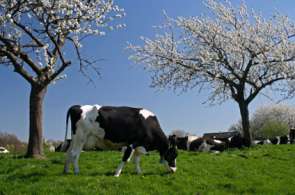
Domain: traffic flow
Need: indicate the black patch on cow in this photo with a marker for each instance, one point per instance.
(194, 146)
(74, 113)
(274, 140)
(181, 142)
(126, 125)
(127, 153)
(284, 139)
(171, 155)
(219, 146)
(292, 136)
(237, 141)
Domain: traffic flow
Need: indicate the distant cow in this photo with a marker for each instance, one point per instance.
(285, 139)
(202, 144)
(230, 139)
(280, 140)
(114, 127)
(183, 143)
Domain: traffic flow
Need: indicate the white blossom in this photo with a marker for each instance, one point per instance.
(36, 27)
(219, 49)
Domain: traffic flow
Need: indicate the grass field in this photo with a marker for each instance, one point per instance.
(261, 170)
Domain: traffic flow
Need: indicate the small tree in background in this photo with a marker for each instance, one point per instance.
(179, 133)
(271, 129)
(282, 115)
(11, 142)
(33, 37)
(236, 52)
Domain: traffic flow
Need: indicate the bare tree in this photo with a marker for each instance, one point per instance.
(33, 37)
(236, 52)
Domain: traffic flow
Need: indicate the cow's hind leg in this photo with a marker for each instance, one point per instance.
(126, 158)
(74, 152)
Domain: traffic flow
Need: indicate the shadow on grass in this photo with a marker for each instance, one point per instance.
(27, 177)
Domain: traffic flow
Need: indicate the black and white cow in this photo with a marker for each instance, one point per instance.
(203, 144)
(285, 139)
(184, 143)
(136, 129)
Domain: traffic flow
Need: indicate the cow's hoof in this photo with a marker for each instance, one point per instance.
(116, 175)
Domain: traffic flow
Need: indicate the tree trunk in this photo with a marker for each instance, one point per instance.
(245, 122)
(35, 145)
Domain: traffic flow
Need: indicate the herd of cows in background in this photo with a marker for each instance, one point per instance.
(214, 142)
(218, 142)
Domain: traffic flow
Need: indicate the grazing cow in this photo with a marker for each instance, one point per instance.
(183, 143)
(115, 127)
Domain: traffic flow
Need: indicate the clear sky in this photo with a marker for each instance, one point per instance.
(125, 83)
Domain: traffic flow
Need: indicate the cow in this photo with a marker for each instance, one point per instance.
(183, 143)
(203, 144)
(280, 140)
(137, 129)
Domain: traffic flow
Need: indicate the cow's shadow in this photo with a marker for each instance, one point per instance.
(112, 173)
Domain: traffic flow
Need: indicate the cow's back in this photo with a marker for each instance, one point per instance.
(121, 124)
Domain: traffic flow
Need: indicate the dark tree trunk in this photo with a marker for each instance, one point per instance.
(245, 122)
(35, 145)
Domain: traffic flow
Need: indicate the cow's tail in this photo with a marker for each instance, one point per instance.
(65, 143)
(67, 123)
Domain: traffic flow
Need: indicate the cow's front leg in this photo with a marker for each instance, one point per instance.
(126, 158)
(138, 152)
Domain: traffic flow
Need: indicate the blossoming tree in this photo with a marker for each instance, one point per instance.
(236, 52)
(33, 37)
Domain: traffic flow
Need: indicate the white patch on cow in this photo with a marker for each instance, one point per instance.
(146, 113)
(279, 139)
(205, 147)
(217, 141)
(140, 150)
(173, 169)
(267, 141)
(230, 138)
(170, 169)
(190, 139)
(88, 121)
(51, 148)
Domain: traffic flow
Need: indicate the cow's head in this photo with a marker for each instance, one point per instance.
(171, 154)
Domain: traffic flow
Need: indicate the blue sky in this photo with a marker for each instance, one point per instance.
(125, 83)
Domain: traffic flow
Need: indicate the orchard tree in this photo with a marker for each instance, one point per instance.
(33, 38)
(234, 52)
